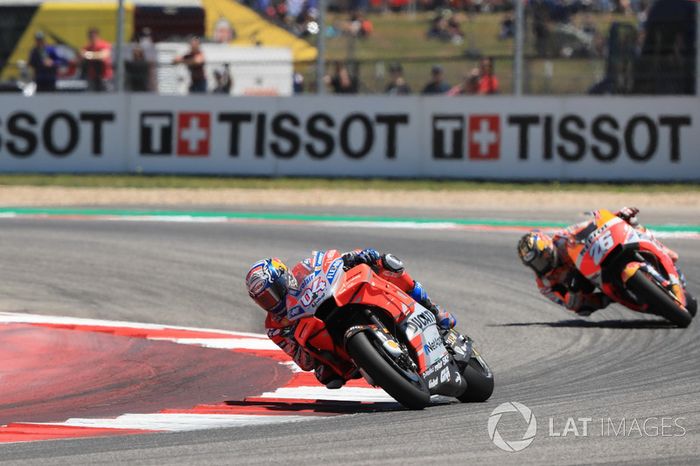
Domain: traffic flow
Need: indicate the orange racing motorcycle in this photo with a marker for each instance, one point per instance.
(631, 270)
(364, 326)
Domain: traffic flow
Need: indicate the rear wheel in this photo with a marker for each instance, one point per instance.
(692, 304)
(479, 382)
(407, 387)
(658, 300)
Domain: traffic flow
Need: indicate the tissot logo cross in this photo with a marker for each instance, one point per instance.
(484, 137)
(193, 134)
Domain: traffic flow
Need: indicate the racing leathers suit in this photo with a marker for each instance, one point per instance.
(281, 329)
(567, 286)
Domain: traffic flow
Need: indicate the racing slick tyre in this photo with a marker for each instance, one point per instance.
(406, 387)
(479, 382)
(659, 302)
(692, 304)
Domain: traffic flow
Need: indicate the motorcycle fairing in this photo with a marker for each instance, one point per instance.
(607, 234)
(361, 286)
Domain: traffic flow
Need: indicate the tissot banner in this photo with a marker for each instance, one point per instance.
(543, 138)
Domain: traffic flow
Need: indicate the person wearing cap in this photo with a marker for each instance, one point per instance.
(44, 60)
(437, 84)
(97, 60)
(397, 84)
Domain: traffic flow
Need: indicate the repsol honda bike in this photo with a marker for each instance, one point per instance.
(630, 269)
(363, 326)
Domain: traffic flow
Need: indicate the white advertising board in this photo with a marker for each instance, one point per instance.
(530, 138)
(63, 133)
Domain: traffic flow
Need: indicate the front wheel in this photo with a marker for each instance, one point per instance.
(479, 381)
(407, 388)
(658, 300)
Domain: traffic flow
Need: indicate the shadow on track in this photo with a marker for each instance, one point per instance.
(579, 323)
(318, 407)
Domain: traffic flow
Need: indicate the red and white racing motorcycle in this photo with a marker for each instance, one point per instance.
(362, 325)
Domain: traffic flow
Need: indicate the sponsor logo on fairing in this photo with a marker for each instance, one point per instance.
(420, 320)
(437, 366)
(432, 345)
(295, 311)
(333, 269)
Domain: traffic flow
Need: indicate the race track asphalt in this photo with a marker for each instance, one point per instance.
(617, 364)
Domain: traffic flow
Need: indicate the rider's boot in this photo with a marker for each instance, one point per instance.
(328, 377)
(444, 319)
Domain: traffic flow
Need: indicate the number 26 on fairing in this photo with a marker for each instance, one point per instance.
(601, 246)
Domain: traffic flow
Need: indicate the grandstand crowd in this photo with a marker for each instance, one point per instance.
(559, 28)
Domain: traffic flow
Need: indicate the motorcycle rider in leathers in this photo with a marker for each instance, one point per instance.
(558, 278)
(268, 281)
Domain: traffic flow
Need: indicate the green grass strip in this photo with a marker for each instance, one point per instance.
(312, 218)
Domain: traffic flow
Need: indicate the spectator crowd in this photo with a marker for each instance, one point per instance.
(480, 80)
(559, 28)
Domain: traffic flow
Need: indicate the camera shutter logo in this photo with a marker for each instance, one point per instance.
(528, 436)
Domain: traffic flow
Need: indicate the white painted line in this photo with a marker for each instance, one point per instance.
(676, 234)
(225, 343)
(322, 393)
(178, 422)
(11, 317)
(166, 218)
(292, 365)
(402, 225)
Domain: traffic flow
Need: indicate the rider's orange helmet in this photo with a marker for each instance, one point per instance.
(538, 252)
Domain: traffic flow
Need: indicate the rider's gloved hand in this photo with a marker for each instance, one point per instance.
(629, 215)
(368, 256)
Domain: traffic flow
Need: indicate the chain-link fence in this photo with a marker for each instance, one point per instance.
(441, 47)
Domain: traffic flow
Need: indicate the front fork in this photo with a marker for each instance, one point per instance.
(394, 348)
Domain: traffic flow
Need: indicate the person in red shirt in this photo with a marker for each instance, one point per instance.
(97, 61)
(469, 84)
(488, 82)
